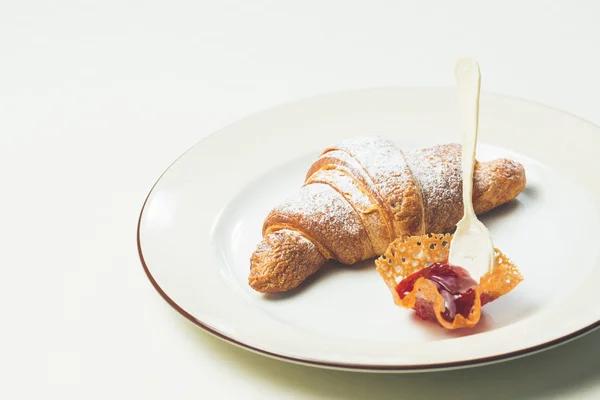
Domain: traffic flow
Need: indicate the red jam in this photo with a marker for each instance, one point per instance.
(453, 283)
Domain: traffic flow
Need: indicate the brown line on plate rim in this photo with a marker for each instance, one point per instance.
(360, 367)
(349, 366)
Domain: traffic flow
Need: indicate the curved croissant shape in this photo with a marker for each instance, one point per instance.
(362, 194)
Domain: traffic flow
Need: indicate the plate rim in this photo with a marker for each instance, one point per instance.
(428, 367)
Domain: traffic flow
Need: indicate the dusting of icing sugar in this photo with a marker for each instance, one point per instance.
(392, 178)
(320, 205)
(437, 170)
(378, 156)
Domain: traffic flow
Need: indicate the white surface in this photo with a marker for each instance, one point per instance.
(97, 99)
(200, 227)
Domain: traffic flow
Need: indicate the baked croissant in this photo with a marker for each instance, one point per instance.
(362, 194)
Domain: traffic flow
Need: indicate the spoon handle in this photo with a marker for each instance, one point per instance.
(468, 80)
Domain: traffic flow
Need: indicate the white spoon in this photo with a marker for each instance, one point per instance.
(472, 247)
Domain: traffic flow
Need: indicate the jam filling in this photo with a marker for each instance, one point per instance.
(453, 283)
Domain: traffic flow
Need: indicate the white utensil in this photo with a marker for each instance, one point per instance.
(472, 247)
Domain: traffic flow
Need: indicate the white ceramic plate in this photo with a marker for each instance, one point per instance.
(203, 218)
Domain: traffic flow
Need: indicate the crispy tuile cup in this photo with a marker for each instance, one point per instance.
(407, 255)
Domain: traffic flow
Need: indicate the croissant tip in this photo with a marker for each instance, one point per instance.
(260, 286)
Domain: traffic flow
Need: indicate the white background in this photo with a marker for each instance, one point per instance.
(98, 98)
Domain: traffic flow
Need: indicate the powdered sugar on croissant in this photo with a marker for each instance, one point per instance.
(362, 194)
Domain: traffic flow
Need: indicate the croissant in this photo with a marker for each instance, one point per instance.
(363, 193)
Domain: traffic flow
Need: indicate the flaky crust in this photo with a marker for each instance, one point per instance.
(286, 258)
(362, 194)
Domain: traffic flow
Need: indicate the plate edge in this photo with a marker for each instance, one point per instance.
(351, 366)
